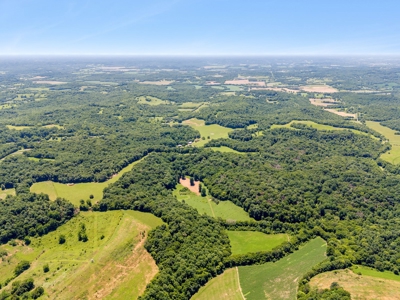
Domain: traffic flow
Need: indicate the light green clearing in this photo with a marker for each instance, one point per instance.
(279, 280)
(191, 104)
(23, 96)
(170, 88)
(393, 155)
(243, 242)
(185, 109)
(4, 193)
(74, 193)
(197, 87)
(252, 126)
(204, 205)
(320, 127)
(53, 126)
(224, 287)
(213, 131)
(19, 152)
(11, 127)
(40, 159)
(149, 100)
(121, 267)
(224, 149)
(101, 82)
(217, 87)
(366, 271)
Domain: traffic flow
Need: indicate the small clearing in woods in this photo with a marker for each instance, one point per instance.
(323, 102)
(360, 287)
(341, 113)
(50, 82)
(193, 188)
(245, 82)
(160, 82)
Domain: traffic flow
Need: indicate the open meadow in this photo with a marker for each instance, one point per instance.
(279, 280)
(393, 155)
(75, 192)
(243, 242)
(208, 132)
(112, 263)
(5, 192)
(361, 287)
(204, 205)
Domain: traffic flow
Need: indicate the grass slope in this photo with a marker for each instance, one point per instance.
(392, 156)
(360, 287)
(76, 192)
(243, 242)
(279, 280)
(366, 271)
(225, 209)
(223, 287)
(149, 100)
(213, 131)
(121, 267)
(319, 127)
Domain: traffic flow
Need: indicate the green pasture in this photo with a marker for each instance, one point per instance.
(225, 286)
(224, 149)
(243, 242)
(279, 280)
(213, 131)
(233, 88)
(12, 127)
(253, 126)
(204, 205)
(393, 155)
(112, 263)
(74, 193)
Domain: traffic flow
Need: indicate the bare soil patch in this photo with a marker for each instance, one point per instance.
(194, 188)
(50, 82)
(323, 102)
(341, 113)
(319, 89)
(360, 287)
(160, 82)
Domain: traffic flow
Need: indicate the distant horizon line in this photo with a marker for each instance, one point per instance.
(200, 55)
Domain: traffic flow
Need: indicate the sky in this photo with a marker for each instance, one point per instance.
(199, 27)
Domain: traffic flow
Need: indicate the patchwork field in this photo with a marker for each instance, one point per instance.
(393, 155)
(243, 242)
(204, 205)
(360, 287)
(224, 287)
(74, 193)
(112, 264)
(209, 132)
(279, 280)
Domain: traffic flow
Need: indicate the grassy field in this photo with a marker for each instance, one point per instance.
(213, 131)
(225, 209)
(223, 287)
(4, 193)
(366, 271)
(149, 100)
(392, 156)
(319, 127)
(224, 149)
(279, 280)
(112, 264)
(243, 242)
(74, 193)
(11, 127)
(360, 287)
(191, 104)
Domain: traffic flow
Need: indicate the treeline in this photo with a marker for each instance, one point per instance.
(28, 215)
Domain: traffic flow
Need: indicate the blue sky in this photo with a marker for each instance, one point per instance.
(199, 27)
